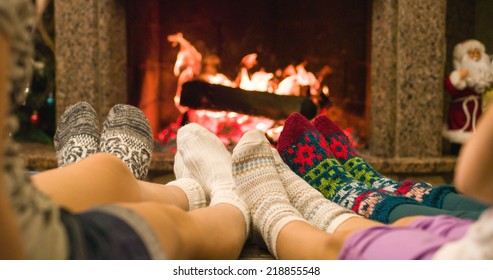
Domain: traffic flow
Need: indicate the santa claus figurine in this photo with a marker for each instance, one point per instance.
(472, 75)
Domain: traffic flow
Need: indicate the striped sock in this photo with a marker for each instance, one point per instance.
(127, 134)
(307, 153)
(319, 211)
(77, 135)
(209, 163)
(344, 152)
(259, 185)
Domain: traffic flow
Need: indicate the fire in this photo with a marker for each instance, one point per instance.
(230, 126)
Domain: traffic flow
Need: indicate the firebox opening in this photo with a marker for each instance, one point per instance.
(333, 33)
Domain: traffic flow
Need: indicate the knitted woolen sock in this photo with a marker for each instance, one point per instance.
(127, 134)
(344, 152)
(259, 185)
(307, 153)
(179, 168)
(319, 211)
(209, 163)
(77, 135)
(192, 189)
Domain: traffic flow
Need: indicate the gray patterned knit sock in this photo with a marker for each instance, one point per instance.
(260, 186)
(318, 210)
(128, 135)
(77, 135)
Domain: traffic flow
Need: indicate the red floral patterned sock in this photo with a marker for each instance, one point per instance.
(307, 153)
(344, 152)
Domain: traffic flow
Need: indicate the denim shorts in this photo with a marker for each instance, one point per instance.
(110, 232)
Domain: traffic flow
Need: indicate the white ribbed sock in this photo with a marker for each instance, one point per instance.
(209, 163)
(193, 190)
(259, 185)
(319, 211)
(179, 168)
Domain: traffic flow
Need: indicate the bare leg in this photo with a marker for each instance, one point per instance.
(320, 245)
(216, 232)
(167, 194)
(317, 244)
(101, 179)
(261, 186)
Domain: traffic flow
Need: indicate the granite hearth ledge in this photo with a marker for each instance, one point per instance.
(413, 165)
(41, 157)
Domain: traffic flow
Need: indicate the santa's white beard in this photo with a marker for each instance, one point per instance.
(480, 72)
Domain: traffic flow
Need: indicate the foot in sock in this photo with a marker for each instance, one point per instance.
(307, 153)
(184, 180)
(319, 211)
(208, 162)
(344, 152)
(260, 186)
(77, 135)
(127, 134)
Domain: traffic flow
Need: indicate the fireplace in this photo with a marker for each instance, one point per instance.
(402, 59)
(334, 33)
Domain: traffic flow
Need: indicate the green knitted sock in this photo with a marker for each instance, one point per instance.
(307, 153)
(344, 152)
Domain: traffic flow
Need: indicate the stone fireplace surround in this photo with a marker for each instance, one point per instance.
(408, 55)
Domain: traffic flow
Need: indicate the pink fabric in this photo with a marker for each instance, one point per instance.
(418, 241)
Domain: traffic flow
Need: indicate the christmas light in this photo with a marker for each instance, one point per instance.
(50, 100)
(35, 118)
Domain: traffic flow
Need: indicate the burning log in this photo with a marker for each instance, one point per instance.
(201, 95)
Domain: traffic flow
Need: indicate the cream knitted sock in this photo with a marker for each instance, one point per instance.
(259, 185)
(319, 211)
(192, 189)
(179, 168)
(209, 163)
